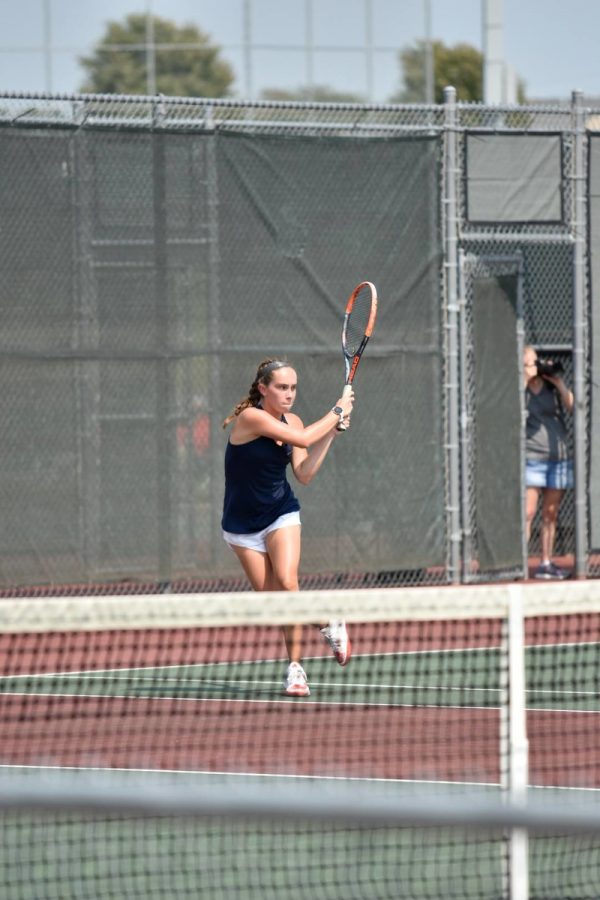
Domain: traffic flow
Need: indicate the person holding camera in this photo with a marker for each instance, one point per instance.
(548, 469)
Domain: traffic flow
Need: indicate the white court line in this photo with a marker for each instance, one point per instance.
(344, 685)
(292, 777)
(341, 685)
(235, 775)
(300, 701)
(287, 700)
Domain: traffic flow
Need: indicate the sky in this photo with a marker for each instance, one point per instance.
(551, 44)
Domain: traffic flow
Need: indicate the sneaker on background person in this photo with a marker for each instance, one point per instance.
(336, 635)
(295, 684)
(549, 571)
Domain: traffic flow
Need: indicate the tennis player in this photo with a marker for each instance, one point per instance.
(261, 514)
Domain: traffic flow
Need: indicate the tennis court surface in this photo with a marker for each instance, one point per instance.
(182, 694)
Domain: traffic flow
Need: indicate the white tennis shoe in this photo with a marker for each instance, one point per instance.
(295, 684)
(336, 635)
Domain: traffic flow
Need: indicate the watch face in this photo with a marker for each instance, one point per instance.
(337, 410)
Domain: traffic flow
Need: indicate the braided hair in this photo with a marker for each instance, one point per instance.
(264, 375)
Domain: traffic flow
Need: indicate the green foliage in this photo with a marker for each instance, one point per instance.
(182, 71)
(460, 66)
(317, 93)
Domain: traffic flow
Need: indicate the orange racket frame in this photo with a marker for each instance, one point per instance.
(351, 360)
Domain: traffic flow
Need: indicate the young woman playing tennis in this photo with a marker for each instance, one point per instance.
(261, 515)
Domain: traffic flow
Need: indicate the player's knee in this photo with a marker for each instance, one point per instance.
(287, 583)
(550, 512)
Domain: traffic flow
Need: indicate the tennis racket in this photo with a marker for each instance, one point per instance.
(359, 321)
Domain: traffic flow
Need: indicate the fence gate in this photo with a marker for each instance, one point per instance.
(491, 417)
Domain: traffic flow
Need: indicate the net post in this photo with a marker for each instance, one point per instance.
(514, 745)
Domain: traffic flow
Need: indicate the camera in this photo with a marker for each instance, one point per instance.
(549, 368)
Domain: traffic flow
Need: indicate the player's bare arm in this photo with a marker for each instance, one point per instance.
(253, 422)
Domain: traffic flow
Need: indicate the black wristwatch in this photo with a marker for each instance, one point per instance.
(339, 412)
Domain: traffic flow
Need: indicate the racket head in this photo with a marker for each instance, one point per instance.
(359, 321)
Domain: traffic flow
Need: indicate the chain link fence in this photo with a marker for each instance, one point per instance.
(153, 251)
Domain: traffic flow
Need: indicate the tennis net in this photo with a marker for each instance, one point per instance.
(147, 748)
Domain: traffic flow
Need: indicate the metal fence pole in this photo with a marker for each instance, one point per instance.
(464, 261)
(579, 231)
(163, 440)
(217, 545)
(451, 321)
(520, 353)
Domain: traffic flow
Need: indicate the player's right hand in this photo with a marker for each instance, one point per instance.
(346, 401)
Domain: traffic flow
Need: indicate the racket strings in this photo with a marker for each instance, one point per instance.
(357, 321)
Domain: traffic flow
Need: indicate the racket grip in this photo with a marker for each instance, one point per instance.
(345, 392)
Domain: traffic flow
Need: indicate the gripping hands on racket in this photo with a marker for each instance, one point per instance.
(343, 408)
(359, 321)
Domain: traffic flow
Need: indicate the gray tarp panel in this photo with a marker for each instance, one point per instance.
(301, 221)
(513, 178)
(144, 276)
(498, 423)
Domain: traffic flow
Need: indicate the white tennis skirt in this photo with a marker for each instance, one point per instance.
(257, 540)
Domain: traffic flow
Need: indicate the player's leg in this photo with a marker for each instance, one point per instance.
(550, 504)
(259, 571)
(532, 498)
(551, 499)
(283, 547)
(284, 551)
(256, 565)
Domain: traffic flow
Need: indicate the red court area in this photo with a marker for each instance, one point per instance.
(285, 738)
(264, 733)
(68, 652)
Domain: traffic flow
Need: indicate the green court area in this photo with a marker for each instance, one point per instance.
(76, 858)
(159, 858)
(559, 676)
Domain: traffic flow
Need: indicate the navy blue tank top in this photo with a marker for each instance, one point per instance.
(256, 489)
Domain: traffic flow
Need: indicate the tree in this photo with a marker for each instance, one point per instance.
(317, 93)
(460, 66)
(191, 68)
